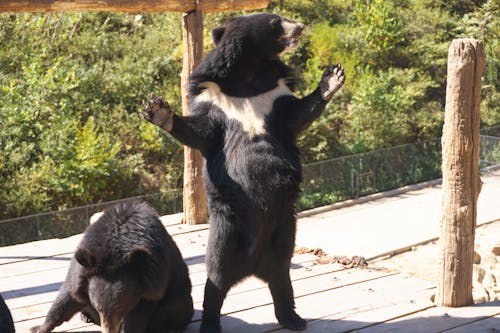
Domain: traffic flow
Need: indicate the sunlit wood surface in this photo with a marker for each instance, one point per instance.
(331, 297)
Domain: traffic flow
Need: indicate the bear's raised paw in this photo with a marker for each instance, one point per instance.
(158, 112)
(333, 78)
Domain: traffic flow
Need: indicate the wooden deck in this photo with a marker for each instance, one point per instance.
(331, 297)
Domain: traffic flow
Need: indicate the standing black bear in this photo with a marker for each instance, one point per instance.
(245, 121)
(6, 322)
(127, 274)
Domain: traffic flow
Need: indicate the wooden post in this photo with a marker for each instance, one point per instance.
(194, 200)
(461, 182)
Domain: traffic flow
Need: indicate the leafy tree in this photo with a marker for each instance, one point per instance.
(70, 88)
(387, 109)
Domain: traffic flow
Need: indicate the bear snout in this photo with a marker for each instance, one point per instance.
(292, 29)
(299, 27)
(291, 33)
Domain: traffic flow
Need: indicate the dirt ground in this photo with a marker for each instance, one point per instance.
(423, 261)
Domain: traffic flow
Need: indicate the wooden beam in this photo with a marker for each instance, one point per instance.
(231, 5)
(461, 182)
(97, 5)
(194, 197)
(129, 5)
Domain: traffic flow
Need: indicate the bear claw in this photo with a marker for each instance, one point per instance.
(158, 112)
(87, 318)
(333, 78)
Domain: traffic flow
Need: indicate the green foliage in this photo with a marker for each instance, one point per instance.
(312, 200)
(483, 23)
(385, 108)
(312, 11)
(379, 31)
(71, 86)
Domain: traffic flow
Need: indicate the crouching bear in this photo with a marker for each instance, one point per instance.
(245, 121)
(127, 275)
(6, 322)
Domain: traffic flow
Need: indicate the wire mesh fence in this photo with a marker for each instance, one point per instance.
(72, 221)
(491, 131)
(323, 183)
(352, 176)
(489, 153)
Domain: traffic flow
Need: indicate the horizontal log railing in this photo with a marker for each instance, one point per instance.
(184, 6)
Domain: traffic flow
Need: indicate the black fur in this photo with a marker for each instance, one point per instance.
(128, 272)
(245, 61)
(6, 322)
(252, 174)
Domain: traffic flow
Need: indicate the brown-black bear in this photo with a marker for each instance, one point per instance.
(245, 121)
(6, 322)
(127, 275)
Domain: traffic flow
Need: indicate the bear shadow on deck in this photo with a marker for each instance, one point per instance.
(425, 324)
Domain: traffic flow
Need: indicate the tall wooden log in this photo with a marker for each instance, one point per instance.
(195, 203)
(461, 182)
(129, 5)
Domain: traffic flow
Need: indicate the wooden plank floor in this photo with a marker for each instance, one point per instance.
(331, 297)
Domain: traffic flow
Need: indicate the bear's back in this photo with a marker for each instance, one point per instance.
(124, 227)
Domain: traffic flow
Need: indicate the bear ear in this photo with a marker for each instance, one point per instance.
(276, 21)
(138, 255)
(85, 257)
(217, 34)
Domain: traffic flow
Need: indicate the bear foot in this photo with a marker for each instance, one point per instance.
(292, 321)
(158, 112)
(333, 78)
(210, 327)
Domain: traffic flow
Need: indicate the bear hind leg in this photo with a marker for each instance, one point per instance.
(284, 305)
(212, 303)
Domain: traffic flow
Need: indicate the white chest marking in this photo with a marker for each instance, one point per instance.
(251, 112)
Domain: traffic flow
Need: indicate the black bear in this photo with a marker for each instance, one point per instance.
(6, 322)
(127, 275)
(245, 122)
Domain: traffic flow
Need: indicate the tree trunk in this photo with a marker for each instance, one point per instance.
(195, 202)
(461, 182)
